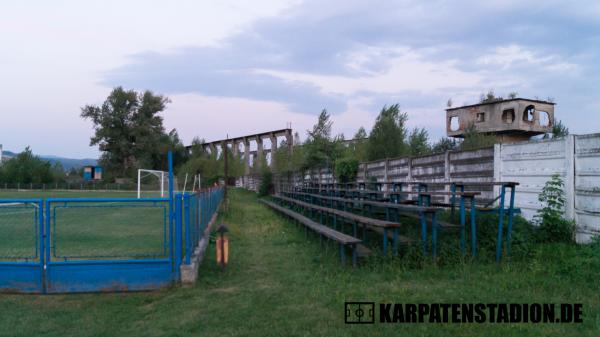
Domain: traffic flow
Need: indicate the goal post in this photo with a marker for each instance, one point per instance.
(161, 176)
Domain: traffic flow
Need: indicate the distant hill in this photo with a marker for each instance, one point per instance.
(67, 163)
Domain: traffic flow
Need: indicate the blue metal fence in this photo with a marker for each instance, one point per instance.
(198, 209)
(100, 244)
(107, 244)
(21, 245)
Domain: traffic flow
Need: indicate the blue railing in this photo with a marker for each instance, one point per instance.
(193, 213)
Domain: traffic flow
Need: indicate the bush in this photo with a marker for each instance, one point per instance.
(266, 183)
(346, 169)
(553, 227)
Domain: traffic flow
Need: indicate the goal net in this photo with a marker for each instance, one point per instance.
(154, 183)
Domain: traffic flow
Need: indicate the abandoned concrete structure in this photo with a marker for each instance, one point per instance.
(251, 156)
(511, 120)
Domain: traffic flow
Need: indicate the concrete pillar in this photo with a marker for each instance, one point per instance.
(289, 139)
(259, 151)
(497, 168)
(570, 177)
(213, 149)
(447, 176)
(247, 155)
(273, 148)
(385, 187)
(409, 176)
(236, 148)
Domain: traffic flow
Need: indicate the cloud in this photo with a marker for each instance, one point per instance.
(353, 57)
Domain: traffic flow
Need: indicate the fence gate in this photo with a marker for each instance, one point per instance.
(85, 245)
(21, 245)
(107, 245)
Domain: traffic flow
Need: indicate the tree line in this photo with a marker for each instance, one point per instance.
(129, 131)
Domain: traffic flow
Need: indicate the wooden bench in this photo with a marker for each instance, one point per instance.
(382, 225)
(343, 239)
(412, 211)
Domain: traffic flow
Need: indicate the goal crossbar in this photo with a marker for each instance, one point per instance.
(160, 174)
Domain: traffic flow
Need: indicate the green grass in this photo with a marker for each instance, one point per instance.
(280, 284)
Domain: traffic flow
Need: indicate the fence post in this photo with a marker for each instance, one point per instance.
(570, 177)
(385, 186)
(188, 247)
(178, 228)
(497, 168)
(447, 175)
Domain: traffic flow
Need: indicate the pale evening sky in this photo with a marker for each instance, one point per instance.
(240, 67)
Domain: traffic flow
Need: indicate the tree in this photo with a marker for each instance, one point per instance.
(559, 130)
(418, 142)
(444, 144)
(346, 169)
(129, 131)
(26, 168)
(387, 138)
(358, 146)
(321, 149)
(489, 97)
(58, 172)
(474, 139)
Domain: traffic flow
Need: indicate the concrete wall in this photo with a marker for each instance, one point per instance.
(532, 163)
(587, 185)
(575, 158)
(467, 166)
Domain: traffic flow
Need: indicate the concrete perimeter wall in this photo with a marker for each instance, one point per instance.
(531, 164)
(467, 166)
(575, 158)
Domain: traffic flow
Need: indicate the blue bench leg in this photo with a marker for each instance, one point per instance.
(343, 254)
(500, 225)
(395, 241)
(452, 200)
(473, 229)
(462, 225)
(511, 213)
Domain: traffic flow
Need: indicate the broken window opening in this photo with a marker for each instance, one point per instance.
(544, 118)
(480, 117)
(454, 123)
(508, 116)
(528, 113)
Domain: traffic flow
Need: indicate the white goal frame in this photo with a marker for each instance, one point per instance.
(160, 174)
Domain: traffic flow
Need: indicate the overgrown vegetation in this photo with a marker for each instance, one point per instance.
(475, 140)
(553, 227)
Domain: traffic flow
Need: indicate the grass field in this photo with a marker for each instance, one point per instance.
(281, 284)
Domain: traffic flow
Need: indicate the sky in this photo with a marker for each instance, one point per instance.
(243, 67)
